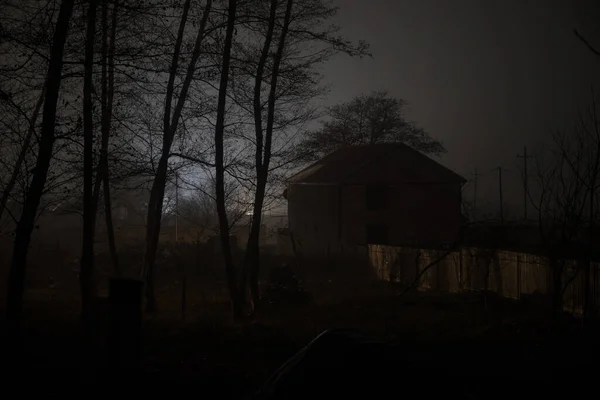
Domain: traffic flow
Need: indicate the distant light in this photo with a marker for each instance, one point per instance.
(249, 213)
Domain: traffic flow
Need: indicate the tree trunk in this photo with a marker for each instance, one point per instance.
(557, 286)
(107, 107)
(589, 248)
(158, 185)
(89, 202)
(110, 228)
(16, 280)
(235, 294)
(153, 226)
(587, 301)
(498, 275)
(169, 128)
(251, 259)
(263, 156)
(587, 306)
(22, 154)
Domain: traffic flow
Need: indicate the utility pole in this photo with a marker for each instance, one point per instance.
(500, 192)
(525, 187)
(475, 178)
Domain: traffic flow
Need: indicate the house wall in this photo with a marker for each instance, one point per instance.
(325, 218)
(313, 218)
(417, 214)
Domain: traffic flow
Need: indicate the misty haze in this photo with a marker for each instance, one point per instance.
(286, 199)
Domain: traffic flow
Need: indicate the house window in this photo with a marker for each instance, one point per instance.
(376, 197)
(377, 234)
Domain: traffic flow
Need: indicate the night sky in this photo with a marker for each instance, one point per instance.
(485, 77)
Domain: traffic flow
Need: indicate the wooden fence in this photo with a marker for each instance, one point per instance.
(508, 273)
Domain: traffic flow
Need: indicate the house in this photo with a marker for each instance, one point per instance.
(388, 194)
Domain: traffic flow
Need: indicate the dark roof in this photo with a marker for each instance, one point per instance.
(378, 163)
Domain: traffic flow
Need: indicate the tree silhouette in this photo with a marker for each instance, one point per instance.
(366, 119)
(16, 280)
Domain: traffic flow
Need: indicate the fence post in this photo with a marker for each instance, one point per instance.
(125, 323)
(183, 296)
(595, 288)
(437, 272)
(518, 274)
(460, 269)
(417, 268)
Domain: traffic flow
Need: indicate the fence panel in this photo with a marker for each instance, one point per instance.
(510, 274)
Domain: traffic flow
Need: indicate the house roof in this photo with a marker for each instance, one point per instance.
(373, 164)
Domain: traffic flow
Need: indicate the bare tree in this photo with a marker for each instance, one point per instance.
(264, 142)
(25, 148)
(24, 46)
(108, 91)
(289, 87)
(567, 203)
(89, 200)
(171, 120)
(16, 282)
(367, 119)
(273, 81)
(198, 211)
(220, 164)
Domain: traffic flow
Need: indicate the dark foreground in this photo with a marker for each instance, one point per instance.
(434, 345)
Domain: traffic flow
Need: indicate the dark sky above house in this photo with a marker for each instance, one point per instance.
(487, 77)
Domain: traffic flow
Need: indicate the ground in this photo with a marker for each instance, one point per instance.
(459, 334)
(513, 344)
